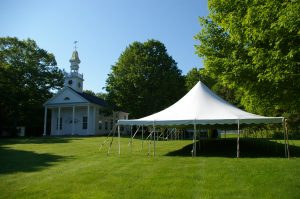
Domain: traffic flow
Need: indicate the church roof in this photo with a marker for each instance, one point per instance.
(93, 99)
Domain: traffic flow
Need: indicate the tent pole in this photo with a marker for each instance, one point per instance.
(131, 139)
(199, 138)
(287, 139)
(154, 144)
(238, 141)
(119, 137)
(142, 137)
(194, 141)
(150, 135)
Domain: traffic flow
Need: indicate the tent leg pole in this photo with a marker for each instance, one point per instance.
(142, 137)
(199, 139)
(154, 144)
(119, 139)
(238, 141)
(194, 141)
(287, 139)
(149, 143)
(131, 139)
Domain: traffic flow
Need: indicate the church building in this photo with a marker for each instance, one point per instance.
(74, 112)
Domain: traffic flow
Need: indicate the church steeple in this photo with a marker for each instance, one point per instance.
(74, 79)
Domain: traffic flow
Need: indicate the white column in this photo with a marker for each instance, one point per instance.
(73, 119)
(95, 127)
(58, 128)
(88, 119)
(45, 121)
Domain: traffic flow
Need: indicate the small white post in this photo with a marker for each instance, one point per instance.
(119, 139)
(45, 121)
(73, 119)
(238, 141)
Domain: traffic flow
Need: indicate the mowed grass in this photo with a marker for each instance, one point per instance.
(70, 167)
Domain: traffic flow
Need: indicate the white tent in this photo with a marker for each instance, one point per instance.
(200, 106)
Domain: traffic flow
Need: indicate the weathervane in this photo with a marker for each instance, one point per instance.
(75, 47)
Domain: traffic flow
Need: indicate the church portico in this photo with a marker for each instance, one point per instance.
(74, 120)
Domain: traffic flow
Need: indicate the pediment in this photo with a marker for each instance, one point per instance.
(66, 96)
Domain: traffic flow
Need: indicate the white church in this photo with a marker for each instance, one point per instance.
(74, 112)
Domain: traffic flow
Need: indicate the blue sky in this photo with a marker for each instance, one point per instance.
(104, 28)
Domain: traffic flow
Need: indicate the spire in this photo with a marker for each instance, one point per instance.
(75, 61)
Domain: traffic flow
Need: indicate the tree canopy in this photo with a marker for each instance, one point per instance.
(253, 48)
(145, 79)
(28, 75)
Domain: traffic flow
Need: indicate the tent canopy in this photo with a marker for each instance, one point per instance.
(201, 106)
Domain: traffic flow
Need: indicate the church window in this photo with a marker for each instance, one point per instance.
(84, 122)
(100, 125)
(66, 98)
(106, 125)
(79, 85)
(111, 124)
(70, 82)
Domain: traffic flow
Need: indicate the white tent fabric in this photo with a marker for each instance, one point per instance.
(201, 106)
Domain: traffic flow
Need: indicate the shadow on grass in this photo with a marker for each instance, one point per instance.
(37, 140)
(250, 148)
(12, 160)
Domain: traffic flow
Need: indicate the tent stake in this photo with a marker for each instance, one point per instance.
(238, 141)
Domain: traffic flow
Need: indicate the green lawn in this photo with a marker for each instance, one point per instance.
(76, 168)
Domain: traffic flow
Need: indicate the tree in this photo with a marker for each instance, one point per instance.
(145, 79)
(253, 48)
(28, 75)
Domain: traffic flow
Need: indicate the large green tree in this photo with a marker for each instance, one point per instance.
(145, 79)
(28, 74)
(253, 47)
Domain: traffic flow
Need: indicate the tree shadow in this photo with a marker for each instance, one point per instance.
(37, 140)
(249, 148)
(12, 160)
